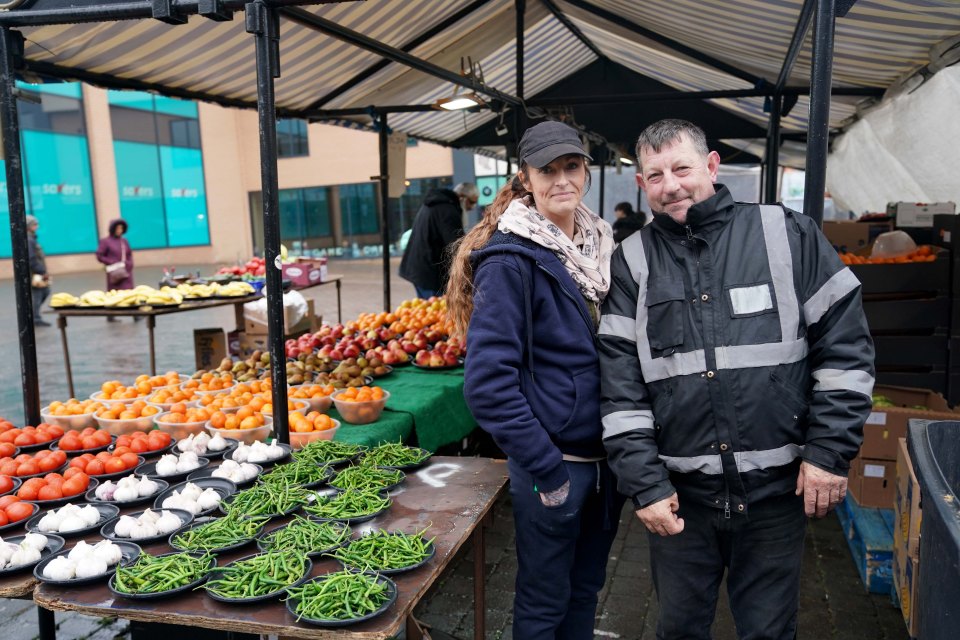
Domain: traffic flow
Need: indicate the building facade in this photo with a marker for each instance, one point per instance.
(186, 177)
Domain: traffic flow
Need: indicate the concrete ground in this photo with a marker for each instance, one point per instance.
(833, 605)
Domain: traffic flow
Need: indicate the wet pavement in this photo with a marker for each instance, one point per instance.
(833, 604)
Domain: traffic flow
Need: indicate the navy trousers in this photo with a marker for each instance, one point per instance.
(562, 552)
(762, 553)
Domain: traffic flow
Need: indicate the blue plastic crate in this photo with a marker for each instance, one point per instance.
(869, 534)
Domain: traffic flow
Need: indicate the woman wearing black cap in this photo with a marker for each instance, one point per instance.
(526, 286)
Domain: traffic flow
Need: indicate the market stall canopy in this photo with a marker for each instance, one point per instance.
(573, 51)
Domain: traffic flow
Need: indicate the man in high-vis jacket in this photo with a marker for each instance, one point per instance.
(737, 371)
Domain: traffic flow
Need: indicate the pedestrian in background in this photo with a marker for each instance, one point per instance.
(39, 278)
(628, 221)
(115, 254)
(437, 225)
(528, 282)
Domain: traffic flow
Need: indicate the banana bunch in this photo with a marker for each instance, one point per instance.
(63, 300)
(165, 296)
(93, 298)
(194, 291)
(124, 298)
(236, 289)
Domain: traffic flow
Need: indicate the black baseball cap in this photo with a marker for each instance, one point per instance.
(543, 143)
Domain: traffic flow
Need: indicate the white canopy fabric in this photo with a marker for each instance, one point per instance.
(908, 148)
(877, 42)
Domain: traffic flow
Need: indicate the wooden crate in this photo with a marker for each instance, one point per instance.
(869, 534)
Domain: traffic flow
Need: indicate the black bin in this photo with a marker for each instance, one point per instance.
(935, 450)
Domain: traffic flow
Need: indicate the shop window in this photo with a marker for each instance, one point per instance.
(304, 219)
(358, 209)
(56, 170)
(159, 169)
(292, 138)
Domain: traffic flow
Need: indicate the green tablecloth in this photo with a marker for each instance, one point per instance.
(430, 403)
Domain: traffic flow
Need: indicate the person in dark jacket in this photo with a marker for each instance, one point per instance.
(39, 278)
(437, 225)
(628, 221)
(525, 288)
(115, 254)
(737, 371)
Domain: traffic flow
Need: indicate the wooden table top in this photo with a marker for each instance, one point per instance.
(450, 495)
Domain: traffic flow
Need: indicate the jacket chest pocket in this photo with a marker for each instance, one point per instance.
(664, 305)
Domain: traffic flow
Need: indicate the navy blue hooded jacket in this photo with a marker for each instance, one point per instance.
(532, 379)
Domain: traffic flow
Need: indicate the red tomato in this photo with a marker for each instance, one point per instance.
(24, 439)
(114, 465)
(41, 436)
(8, 467)
(69, 442)
(130, 460)
(25, 457)
(28, 492)
(48, 464)
(75, 485)
(19, 510)
(5, 484)
(9, 436)
(28, 468)
(89, 442)
(140, 445)
(71, 471)
(4, 520)
(104, 437)
(7, 449)
(50, 492)
(52, 479)
(54, 430)
(5, 501)
(104, 456)
(94, 468)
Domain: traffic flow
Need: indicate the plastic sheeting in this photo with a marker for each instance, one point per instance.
(905, 149)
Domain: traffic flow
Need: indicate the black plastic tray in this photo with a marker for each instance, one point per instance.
(208, 473)
(149, 469)
(91, 495)
(267, 596)
(129, 550)
(292, 606)
(107, 512)
(162, 594)
(221, 485)
(199, 522)
(108, 530)
(77, 497)
(54, 544)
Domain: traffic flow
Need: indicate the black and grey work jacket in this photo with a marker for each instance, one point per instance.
(730, 349)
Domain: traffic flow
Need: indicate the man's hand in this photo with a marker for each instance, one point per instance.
(661, 517)
(821, 490)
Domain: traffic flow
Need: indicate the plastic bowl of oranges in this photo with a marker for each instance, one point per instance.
(360, 405)
(182, 421)
(121, 419)
(318, 395)
(246, 425)
(72, 414)
(315, 425)
(293, 406)
(165, 397)
(210, 383)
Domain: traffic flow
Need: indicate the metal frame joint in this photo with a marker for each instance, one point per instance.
(214, 10)
(164, 11)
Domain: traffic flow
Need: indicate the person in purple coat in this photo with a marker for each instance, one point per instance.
(115, 254)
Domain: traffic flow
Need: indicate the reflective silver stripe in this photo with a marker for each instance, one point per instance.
(781, 269)
(753, 460)
(619, 326)
(679, 364)
(622, 421)
(840, 380)
(746, 460)
(636, 260)
(769, 354)
(703, 464)
(839, 285)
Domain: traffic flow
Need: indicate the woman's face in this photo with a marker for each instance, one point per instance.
(557, 188)
(119, 230)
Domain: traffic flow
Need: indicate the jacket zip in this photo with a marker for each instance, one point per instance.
(726, 508)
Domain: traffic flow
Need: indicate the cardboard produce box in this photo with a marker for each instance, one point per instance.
(309, 322)
(918, 214)
(303, 274)
(907, 514)
(885, 425)
(209, 347)
(873, 483)
(906, 582)
(850, 235)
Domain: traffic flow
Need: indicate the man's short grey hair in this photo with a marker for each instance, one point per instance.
(468, 190)
(32, 221)
(668, 131)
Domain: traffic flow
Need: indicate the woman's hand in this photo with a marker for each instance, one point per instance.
(556, 497)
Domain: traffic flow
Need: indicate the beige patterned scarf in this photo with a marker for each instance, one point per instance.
(586, 256)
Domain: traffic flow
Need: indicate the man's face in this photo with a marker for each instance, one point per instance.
(467, 203)
(677, 177)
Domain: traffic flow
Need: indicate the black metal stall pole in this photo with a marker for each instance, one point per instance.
(385, 206)
(11, 55)
(773, 151)
(264, 23)
(818, 127)
(603, 182)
